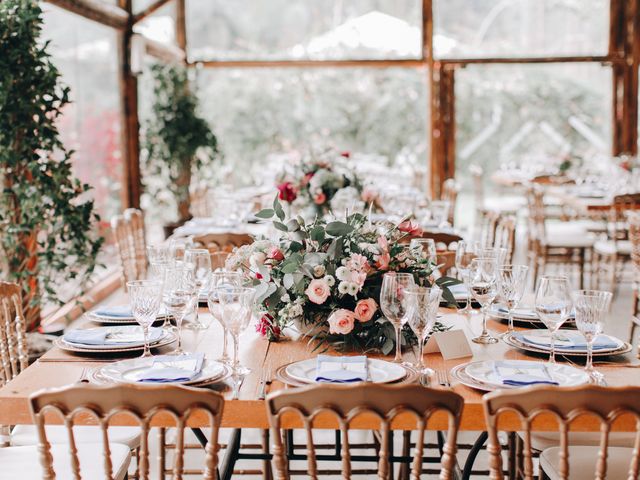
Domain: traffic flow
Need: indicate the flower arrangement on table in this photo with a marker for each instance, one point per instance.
(325, 183)
(326, 278)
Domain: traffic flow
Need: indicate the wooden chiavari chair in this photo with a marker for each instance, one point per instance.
(129, 233)
(567, 461)
(101, 404)
(222, 242)
(634, 237)
(558, 244)
(612, 254)
(450, 189)
(488, 224)
(505, 236)
(345, 403)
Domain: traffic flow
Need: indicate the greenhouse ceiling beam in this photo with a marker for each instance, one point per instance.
(509, 60)
(149, 10)
(309, 63)
(96, 10)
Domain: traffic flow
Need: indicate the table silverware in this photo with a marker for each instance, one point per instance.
(443, 378)
(265, 379)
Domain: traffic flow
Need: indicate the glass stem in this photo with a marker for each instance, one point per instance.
(398, 357)
(467, 307)
(552, 357)
(179, 329)
(236, 363)
(589, 366)
(145, 332)
(421, 364)
(510, 320)
(484, 333)
(225, 354)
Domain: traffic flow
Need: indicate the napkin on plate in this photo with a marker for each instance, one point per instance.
(568, 340)
(119, 311)
(173, 368)
(107, 336)
(523, 375)
(332, 369)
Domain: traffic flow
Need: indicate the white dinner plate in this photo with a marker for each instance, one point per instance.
(522, 314)
(119, 320)
(541, 339)
(380, 371)
(119, 336)
(129, 371)
(484, 373)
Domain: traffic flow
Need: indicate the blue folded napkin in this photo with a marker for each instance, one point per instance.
(332, 369)
(120, 311)
(528, 312)
(523, 375)
(568, 340)
(173, 368)
(110, 336)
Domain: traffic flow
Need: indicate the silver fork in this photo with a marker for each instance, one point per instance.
(443, 378)
(265, 379)
(84, 376)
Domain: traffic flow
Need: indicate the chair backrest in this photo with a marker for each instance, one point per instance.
(488, 223)
(634, 237)
(222, 242)
(505, 236)
(477, 179)
(219, 260)
(537, 215)
(14, 354)
(450, 189)
(143, 403)
(128, 231)
(345, 403)
(617, 227)
(565, 405)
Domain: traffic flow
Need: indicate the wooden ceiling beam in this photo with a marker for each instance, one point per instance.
(149, 10)
(101, 12)
(308, 63)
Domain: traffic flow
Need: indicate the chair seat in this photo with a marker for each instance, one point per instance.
(542, 440)
(23, 463)
(23, 435)
(609, 247)
(583, 460)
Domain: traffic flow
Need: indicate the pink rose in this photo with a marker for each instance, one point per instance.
(412, 228)
(307, 178)
(365, 309)
(382, 260)
(275, 254)
(287, 192)
(319, 198)
(341, 321)
(318, 291)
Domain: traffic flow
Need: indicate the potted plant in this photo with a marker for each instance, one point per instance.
(178, 140)
(47, 224)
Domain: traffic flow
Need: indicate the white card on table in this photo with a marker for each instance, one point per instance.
(431, 346)
(453, 344)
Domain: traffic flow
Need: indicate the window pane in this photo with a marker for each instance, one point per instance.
(160, 25)
(86, 53)
(522, 115)
(381, 112)
(300, 29)
(520, 28)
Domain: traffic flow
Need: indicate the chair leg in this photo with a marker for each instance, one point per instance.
(266, 464)
(162, 457)
(512, 466)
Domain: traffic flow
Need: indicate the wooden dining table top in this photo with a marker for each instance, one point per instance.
(58, 368)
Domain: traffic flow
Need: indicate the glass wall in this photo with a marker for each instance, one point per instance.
(86, 53)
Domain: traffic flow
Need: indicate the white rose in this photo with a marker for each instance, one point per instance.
(257, 259)
(330, 280)
(285, 298)
(295, 311)
(343, 287)
(343, 274)
(352, 289)
(318, 271)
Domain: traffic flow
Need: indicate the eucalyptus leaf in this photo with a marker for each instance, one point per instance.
(265, 213)
(338, 229)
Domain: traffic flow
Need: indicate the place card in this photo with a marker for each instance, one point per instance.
(453, 344)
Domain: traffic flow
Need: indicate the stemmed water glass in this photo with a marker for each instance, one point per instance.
(392, 294)
(421, 307)
(179, 295)
(237, 308)
(145, 297)
(483, 283)
(512, 280)
(424, 248)
(159, 257)
(201, 261)
(220, 282)
(553, 305)
(464, 257)
(591, 306)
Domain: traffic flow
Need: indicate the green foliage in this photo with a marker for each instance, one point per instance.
(177, 138)
(46, 222)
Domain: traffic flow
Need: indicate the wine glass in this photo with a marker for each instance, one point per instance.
(591, 306)
(237, 308)
(553, 305)
(421, 307)
(145, 297)
(483, 285)
(394, 286)
(221, 281)
(201, 261)
(159, 257)
(424, 248)
(464, 255)
(512, 280)
(179, 295)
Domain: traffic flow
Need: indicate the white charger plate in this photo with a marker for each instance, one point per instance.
(59, 342)
(482, 374)
(128, 371)
(543, 342)
(380, 371)
(512, 341)
(115, 331)
(120, 319)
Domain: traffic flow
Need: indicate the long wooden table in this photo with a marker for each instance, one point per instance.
(57, 368)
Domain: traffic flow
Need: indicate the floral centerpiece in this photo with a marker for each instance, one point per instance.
(324, 183)
(326, 278)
